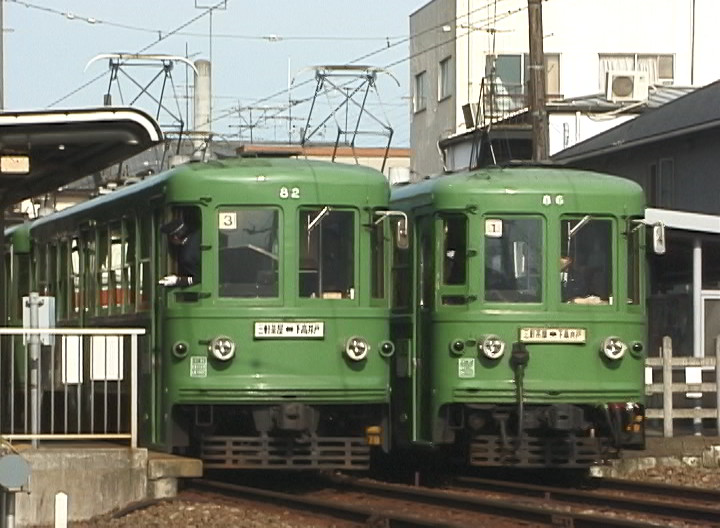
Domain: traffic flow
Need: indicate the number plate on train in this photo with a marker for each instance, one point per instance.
(552, 335)
(289, 330)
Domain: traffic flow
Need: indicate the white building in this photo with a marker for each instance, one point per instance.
(458, 46)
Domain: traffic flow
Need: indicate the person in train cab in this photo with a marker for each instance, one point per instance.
(184, 244)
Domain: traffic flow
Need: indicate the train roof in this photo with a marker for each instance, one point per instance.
(193, 177)
(518, 181)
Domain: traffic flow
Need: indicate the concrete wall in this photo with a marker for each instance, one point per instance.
(96, 480)
(437, 120)
(577, 30)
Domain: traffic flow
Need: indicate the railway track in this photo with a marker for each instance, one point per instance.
(371, 503)
(657, 489)
(679, 503)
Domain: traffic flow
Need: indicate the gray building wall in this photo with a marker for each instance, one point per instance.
(436, 121)
(681, 174)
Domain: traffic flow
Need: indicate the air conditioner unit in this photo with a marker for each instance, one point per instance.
(627, 85)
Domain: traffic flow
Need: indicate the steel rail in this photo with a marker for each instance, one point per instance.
(658, 489)
(499, 507)
(319, 506)
(656, 507)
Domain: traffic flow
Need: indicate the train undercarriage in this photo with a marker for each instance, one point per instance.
(556, 435)
(285, 436)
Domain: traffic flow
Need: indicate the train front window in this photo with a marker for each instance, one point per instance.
(513, 259)
(248, 252)
(586, 260)
(326, 253)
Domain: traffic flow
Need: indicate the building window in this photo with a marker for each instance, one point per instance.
(444, 86)
(420, 100)
(511, 73)
(666, 182)
(661, 184)
(660, 68)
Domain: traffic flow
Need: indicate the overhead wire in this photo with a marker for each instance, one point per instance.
(269, 38)
(233, 110)
(494, 18)
(163, 37)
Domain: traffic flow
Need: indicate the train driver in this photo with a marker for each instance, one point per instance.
(184, 245)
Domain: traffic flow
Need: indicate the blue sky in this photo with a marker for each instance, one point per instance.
(256, 47)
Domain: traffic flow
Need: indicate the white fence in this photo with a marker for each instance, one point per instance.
(694, 398)
(69, 384)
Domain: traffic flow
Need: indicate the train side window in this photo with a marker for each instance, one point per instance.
(401, 277)
(184, 237)
(144, 261)
(454, 249)
(633, 262)
(76, 295)
(248, 252)
(128, 262)
(102, 274)
(63, 297)
(115, 276)
(327, 253)
(89, 268)
(52, 264)
(377, 260)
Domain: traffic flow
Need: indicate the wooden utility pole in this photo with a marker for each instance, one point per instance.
(536, 86)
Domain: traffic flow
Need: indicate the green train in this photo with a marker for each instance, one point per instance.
(264, 288)
(521, 338)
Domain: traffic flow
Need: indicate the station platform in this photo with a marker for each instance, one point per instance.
(98, 478)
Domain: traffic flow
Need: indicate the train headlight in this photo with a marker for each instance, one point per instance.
(387, 348)
(614, 348)
(492, 346)
(180, 349)
(223, 348)
(357, 348)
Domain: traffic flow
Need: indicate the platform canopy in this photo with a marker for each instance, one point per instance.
(43, 150)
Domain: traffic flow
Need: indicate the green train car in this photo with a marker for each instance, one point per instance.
(263, 284)
(521, 337)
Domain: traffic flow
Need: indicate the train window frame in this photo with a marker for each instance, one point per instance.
(492, 230)
(588, 262)
(311, 263)
(265, 291)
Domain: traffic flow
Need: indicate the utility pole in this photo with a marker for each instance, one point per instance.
(536, 87)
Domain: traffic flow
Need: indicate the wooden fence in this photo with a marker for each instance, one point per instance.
(683, 400)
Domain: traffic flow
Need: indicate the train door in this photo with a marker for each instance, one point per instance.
(425, 300)
(402, 328)
(159, 305)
